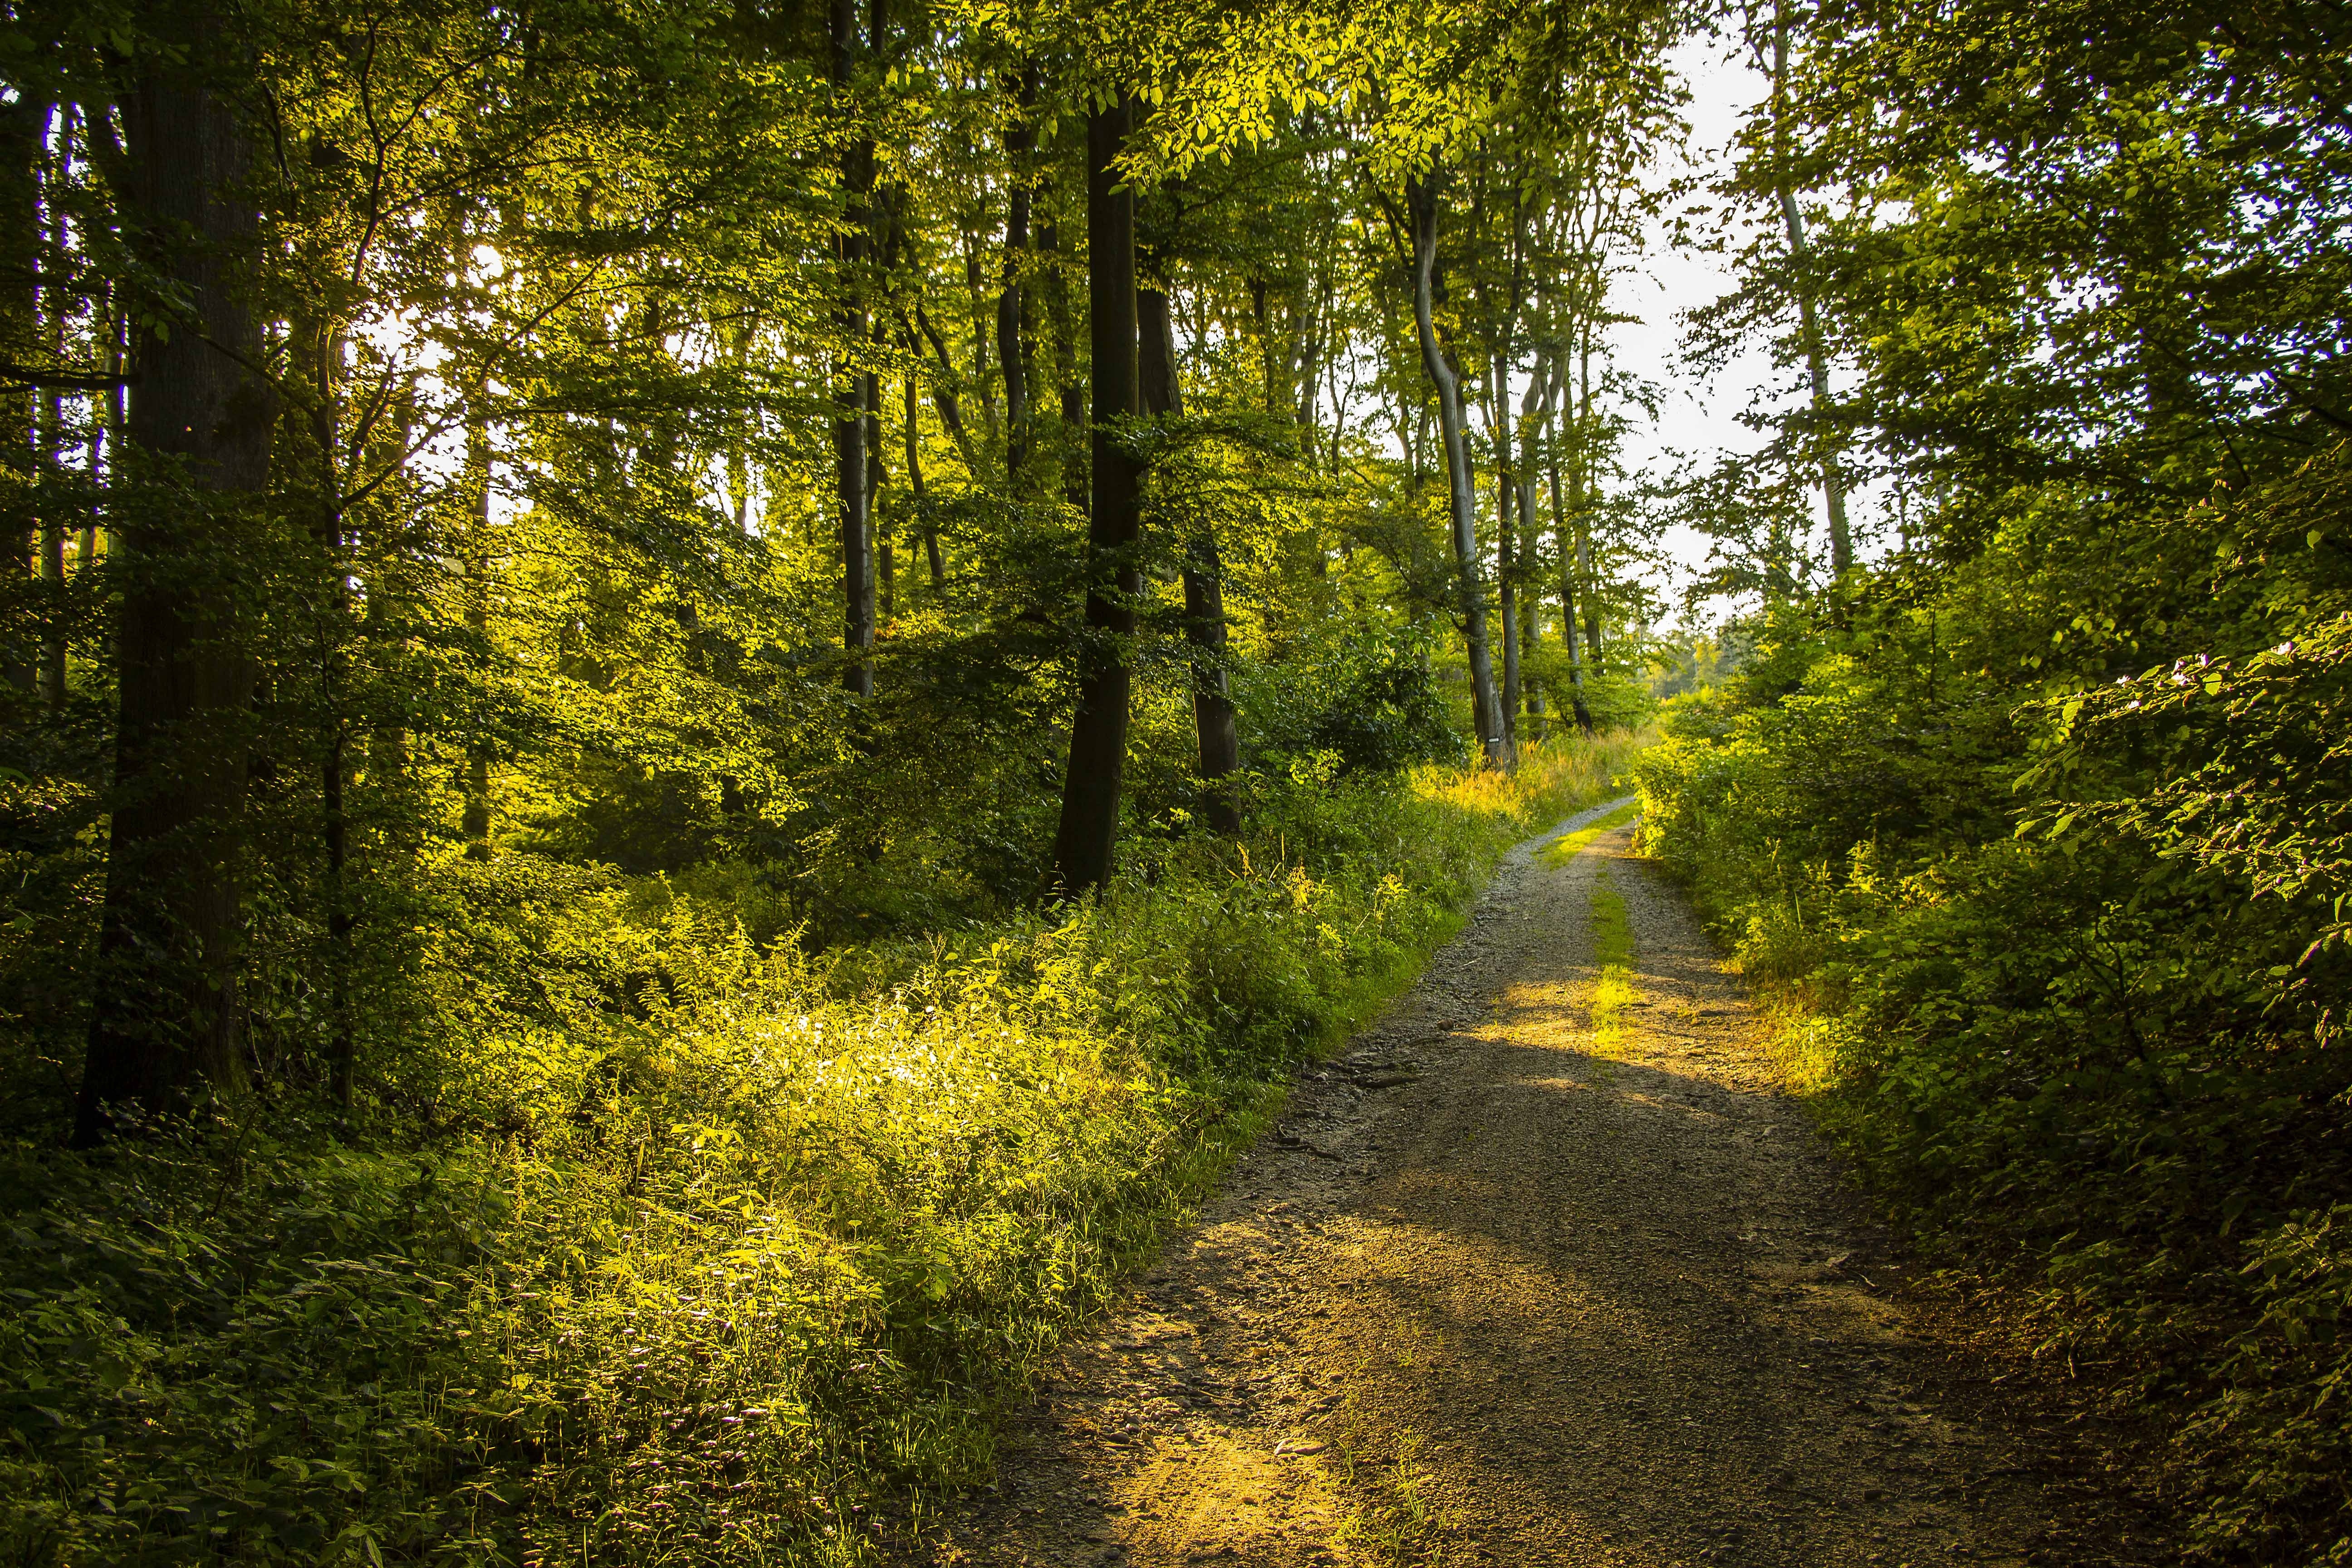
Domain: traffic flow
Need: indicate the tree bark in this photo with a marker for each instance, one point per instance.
(923, 519)
(1562, 548)
(1506, 555)
(1589, 589)
(1214, 722)
(50, 471)
(852, 391)
(1011, 302)
(1808, 321)
(165, 1012)
(1090, 794)
(474, 821)
(1535, 423)
(21, 125)
(1420, 196)
(326, 425)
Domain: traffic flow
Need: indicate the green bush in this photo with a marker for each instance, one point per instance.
(2061, 953)
(716, 1251)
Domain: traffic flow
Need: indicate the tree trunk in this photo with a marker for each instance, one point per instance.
(923, 519)
(943, 396)
(474, 821)
(1590, 590)
(52, 469)
(1012, 303)
(852, 391)
(1535, 422)
(1090, 794)
(1567, 554)
(1462, 494)
(1808, 321)
(1204, 590)
(21, 126)
(165, 1010)
(326, 425)
(1507, 561)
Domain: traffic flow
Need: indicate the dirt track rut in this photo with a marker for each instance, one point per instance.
(1518, 1281)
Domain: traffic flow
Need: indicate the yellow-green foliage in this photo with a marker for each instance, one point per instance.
(741, 1251)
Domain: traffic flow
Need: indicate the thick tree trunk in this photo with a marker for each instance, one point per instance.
(165, 1012)
(1090, 794)
(1462, 493)
(1204, 591)
(852, 391)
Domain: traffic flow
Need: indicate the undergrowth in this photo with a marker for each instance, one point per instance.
(714, 1251)
(2064, 978)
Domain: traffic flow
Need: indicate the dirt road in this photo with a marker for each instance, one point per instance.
(1543, 1271)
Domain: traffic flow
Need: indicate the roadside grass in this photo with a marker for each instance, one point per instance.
(726, 1253)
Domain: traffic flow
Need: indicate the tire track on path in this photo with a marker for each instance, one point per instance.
(1505, 1289)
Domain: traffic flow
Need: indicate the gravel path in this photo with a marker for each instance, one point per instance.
(1522, 1280)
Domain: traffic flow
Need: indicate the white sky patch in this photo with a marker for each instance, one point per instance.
(1698, 419)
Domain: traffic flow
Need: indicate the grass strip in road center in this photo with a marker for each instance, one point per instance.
(1612, 950)
(1568, 845)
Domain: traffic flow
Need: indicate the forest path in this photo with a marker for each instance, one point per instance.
(1545, 1270)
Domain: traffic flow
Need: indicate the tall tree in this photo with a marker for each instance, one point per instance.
(166, 1010)
(1422, 203)
(855, 388)
(1213, 722)
(1090, 794)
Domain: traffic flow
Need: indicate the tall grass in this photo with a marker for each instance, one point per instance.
(738, 1258)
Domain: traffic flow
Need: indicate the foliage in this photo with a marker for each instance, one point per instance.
(2067, 972)
(716, 1250)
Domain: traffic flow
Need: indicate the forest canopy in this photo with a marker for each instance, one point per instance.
(701, 697)
(699, 701)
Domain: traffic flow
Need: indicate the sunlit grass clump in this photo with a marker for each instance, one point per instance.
(735, 1254)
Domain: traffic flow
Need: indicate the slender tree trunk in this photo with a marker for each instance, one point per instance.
(1590, 588)
(923, 518)
(1535, 421)
(880, 561)
(975, 290)
(326, 425)
(1808, 321)
(474, 820)
(165, 1010)
(1072, 398)
(1011, 302)
(944, 396)
(1565, 551)
(1204, 590)
(52, 469)
(1091, 795)
(22, 124)
(853, 390)
(105, 441)
(1507, 561)
(1462, 495)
